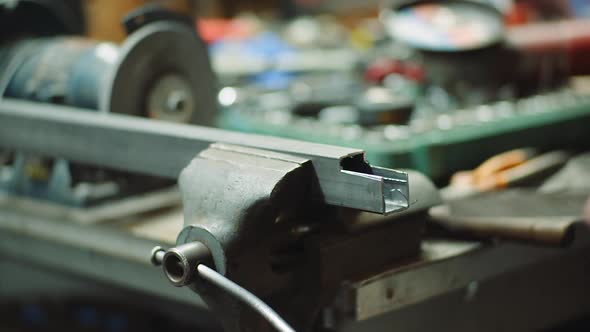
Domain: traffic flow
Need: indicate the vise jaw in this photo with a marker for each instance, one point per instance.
(241, 203)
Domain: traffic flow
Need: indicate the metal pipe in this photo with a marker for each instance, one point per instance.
(180, 263)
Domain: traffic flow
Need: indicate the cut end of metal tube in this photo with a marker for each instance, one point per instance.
(396, 189)
(180, 263)
(385, 191)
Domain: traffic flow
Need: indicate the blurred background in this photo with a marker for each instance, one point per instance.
(480, 96)
(438, 87)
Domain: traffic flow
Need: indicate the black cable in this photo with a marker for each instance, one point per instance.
(245, 296)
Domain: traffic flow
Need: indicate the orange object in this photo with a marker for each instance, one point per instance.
(214, 29)
(509, 168)
(462, 179)
(104, 17)
(519, 14)
(501, 162)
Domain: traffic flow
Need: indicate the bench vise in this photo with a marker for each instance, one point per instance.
(288, 220)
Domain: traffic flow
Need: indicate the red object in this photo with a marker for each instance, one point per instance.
(377, 71)
(414, 72)
(517, 15)
(569, 38)
(212, 29)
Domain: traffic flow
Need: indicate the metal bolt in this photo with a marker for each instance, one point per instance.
(157, 255)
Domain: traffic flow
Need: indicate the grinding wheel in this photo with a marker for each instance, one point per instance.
(163, 72)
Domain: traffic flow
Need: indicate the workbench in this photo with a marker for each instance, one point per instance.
(453, 285)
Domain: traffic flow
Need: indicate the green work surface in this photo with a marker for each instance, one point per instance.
(555, 121)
